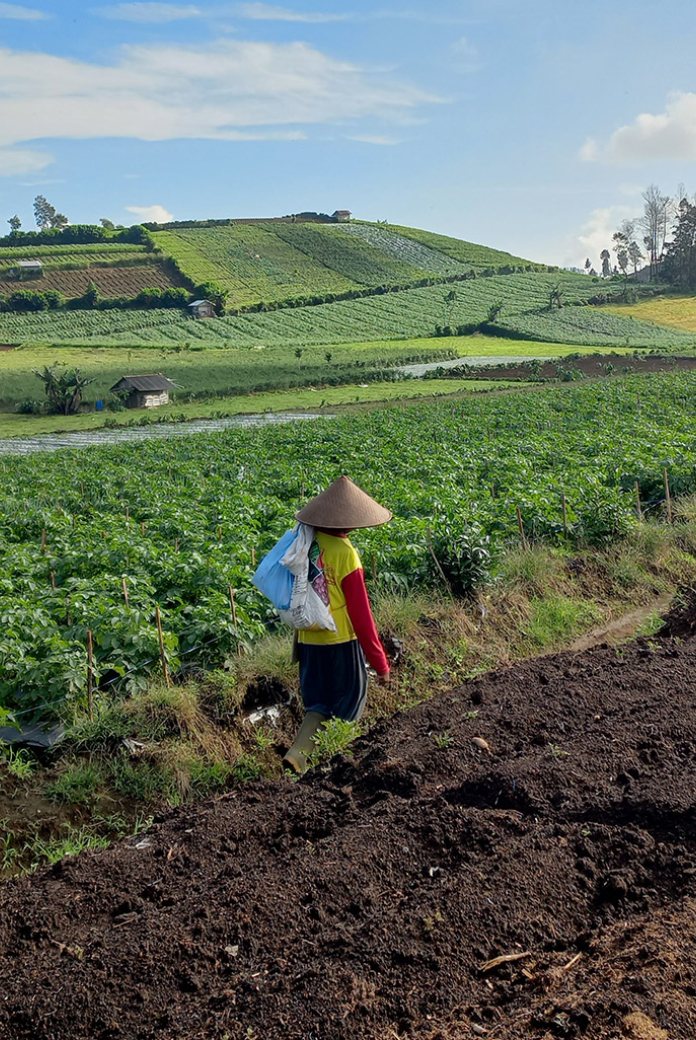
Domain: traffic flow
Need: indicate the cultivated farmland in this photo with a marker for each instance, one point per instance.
(182, 520)
(678, 312)
(126, 280)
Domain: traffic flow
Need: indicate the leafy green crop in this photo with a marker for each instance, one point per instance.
(182, 520)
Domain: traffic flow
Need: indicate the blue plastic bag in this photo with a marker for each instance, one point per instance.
(272, 578)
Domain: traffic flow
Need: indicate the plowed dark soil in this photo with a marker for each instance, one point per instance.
(366, 900)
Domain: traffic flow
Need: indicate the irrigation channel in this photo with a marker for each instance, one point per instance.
(95, 438)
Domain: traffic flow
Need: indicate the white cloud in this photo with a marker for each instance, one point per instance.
(271, 13)
(14, 161)
(379, 139)
(667, 135)
(153, 13)
(590, 150)
(21, 14)
(227, 90)
(151, 214)
(594, 236)
(466, 55)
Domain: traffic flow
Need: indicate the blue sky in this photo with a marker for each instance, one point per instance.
(532, 127)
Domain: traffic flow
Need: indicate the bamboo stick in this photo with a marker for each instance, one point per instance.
(90, 674)
(163, 656)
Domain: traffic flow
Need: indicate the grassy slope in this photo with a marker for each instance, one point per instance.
(468, 253)
(242, 369)
(250, 262)
(304, 399)
(677, 312)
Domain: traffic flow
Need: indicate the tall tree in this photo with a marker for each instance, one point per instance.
(588, 265)
(46, 215)
(654, 222)
(679, 266)
(15, 223)
(106, 223)
(634, 254)
(605, 257)
(44, 212)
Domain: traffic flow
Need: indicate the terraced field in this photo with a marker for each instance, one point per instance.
(416, 312)
(468, 253)
(250, 262)
(392, 315)
(110, 281)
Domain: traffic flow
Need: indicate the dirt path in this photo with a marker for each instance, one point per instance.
(621, 628)
(543, 814)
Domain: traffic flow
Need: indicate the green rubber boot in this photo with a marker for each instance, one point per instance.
(296, 757)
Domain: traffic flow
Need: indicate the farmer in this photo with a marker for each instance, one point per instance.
(333, 672)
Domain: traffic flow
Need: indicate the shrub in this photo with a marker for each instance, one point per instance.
(463, 557)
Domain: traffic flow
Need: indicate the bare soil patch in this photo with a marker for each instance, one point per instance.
(514, 859)
(588, 364)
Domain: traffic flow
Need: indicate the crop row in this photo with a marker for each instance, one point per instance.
(250, 262)
(417, 312)
(110, 281)
(400, 248)
(86, 253)
(182, 520)
(468, 253)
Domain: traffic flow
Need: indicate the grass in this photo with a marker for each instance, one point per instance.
(386, 315)
(192, 740)
(677, 312)
(328, 397)
(240, 370)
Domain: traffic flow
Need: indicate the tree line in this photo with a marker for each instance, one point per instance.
(662, 238)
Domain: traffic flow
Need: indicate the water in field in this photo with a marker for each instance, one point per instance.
(474, 361)
(94, 438)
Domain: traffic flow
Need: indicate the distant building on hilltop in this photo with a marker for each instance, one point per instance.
(144, 391)
(202, 309)
(341, 216)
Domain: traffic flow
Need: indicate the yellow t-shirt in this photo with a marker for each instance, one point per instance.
(331, 559)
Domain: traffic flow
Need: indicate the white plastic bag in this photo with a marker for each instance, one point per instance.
(307, 609)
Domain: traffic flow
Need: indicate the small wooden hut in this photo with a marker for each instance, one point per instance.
(29, 269)
(202, 309)
(341, 216)
(143, 391)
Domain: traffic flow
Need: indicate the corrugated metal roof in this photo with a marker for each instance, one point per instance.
(197, 303)
(152, 383)
(30, 263)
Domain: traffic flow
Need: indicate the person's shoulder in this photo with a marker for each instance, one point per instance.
(343, 552)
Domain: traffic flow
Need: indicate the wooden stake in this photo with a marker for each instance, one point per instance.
(520, 525)
(639, 508)
(176, 545)
(43, 540)
(90, 674)
(53, 579)
(233, 607)
(143, 528)
(127, 513)
(219, 533)
(163, 656)
(438, 566)
(124, 589)
(564, 506)
(668, 497)
(253, 557)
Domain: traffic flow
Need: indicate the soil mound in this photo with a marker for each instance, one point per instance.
(512, 860)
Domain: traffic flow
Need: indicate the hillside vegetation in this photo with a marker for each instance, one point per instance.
(679, 312)
(132, 515)
(525, 314)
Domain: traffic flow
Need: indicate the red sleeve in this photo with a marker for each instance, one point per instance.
(360, 614)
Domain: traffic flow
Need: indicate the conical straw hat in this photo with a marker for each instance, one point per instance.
(343, 506)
